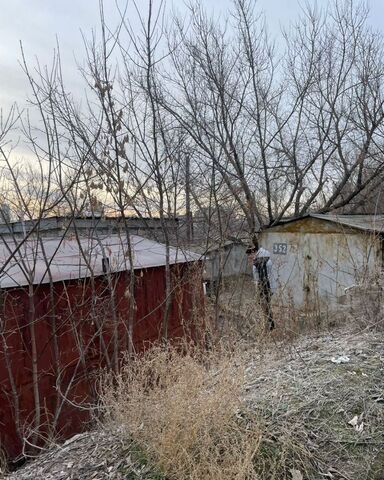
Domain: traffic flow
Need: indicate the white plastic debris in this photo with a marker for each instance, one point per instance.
(360, 428)
(354, 421)
(357, 423)
(341, 359)
(296, 474)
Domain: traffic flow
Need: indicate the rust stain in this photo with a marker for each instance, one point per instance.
(312, 225)
(322, 259)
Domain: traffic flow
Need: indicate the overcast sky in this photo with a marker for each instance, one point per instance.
(37, 23)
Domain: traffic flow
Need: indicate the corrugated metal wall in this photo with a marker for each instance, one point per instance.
(321, 260)
(230, 260)
(74, 329)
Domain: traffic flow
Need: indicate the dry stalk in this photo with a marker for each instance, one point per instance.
(184, 415)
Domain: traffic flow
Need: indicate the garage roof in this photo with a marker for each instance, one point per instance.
(371, 223)
(64, 258)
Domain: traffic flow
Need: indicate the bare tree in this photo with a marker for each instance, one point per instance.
(285, 134)
(201, 117)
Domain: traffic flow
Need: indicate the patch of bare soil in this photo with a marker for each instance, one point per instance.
(319, 402)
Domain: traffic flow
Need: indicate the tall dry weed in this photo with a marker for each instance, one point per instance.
(184, 413)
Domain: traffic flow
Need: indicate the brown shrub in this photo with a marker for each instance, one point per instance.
(185, 416)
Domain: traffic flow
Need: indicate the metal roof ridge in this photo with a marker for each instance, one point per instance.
(341, 219)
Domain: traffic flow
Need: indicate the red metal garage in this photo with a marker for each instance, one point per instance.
(64, 306)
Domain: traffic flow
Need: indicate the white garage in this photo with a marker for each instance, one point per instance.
(318, 258)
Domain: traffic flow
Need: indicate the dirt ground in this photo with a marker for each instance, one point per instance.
(324, 393)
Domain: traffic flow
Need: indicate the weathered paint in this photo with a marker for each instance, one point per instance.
(230, 260)
(311, 225)
(81, 311)
(368, 223)
(71, 258)
(323, 259)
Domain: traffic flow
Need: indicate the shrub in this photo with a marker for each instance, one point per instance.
(185, 416)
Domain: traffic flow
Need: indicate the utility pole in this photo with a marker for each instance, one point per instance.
(189, 217)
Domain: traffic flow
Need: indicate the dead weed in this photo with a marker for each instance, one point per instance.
(186, 413)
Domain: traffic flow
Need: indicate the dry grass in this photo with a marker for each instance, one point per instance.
(281, 412)
(238, 319)
(183, 412)
(256, 406)
(306, 402)
(191, 417)
(364, 304)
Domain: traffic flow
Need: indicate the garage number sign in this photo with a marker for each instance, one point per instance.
(280, 248)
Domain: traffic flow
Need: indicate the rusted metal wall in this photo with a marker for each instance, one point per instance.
(74, 319)
(322, 259)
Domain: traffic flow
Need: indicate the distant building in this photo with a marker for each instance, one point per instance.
(5, 213)
(226, 259)
(318, 257)
(222, 261)
(89, 226)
